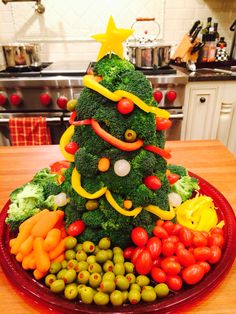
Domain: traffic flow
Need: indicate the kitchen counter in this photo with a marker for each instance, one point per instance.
(209, 159)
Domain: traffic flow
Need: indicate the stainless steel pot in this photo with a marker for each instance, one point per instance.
(19, 55)
(147, 56)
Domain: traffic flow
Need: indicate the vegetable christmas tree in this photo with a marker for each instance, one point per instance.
(118, 173)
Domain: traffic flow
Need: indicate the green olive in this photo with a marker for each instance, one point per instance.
(116, 297)
(88, 246)
(70, 243)
(130, 135)
(135, 286)
(101, 298)
(69, 276)
(97, 249)
(94, 268)
(61, 273)
(102, 256)
(118, 258)
(108, 276)
(71, 264)
(142, 280)
(95, 280)
(79, 247)
(71, 291)
(117, 250)
(129, 267)
(119, 269)
(64, 264)
(82, 265)
(148, 295)
(91, 259)
(81, 256)
(69, 254)
(131, 278)
(91, 204)
(57, 286)
(125, 295)
(55, 267)
(109, 253)
(161, 290)
(108, 266)
(83, 276)
(104, 243)
(107, 286)
(86, 294)
(122, 282)
(49, 279)
(134, 296)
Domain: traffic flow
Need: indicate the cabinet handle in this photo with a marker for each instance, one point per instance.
(202, 100)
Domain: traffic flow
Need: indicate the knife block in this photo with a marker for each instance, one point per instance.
(183, 51)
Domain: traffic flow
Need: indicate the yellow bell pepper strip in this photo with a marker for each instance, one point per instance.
(76, 184)
(125, 146)
(121, 210)
(157, 150)
(141, 104)
(65, 139)
(198, 213)
(161, 213)
(90, 82)
(76, 123)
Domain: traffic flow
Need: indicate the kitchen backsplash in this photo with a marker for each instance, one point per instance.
(64, 29)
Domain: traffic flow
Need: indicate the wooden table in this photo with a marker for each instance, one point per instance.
(209, 159)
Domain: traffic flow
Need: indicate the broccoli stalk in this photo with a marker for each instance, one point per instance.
(185, 187)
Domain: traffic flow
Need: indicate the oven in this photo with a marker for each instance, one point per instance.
(45, 92)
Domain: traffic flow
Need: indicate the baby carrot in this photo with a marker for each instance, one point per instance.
(22, 236)
(27, 246)
(41, 257)
(52, 239)
(32, 220)
(58, 250)
(11, 242)
(45, 224)
(59, 258)
(38, 274)
(19, 257)
(26, 260)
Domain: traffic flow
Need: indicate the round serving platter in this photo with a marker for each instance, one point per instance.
(38, 292)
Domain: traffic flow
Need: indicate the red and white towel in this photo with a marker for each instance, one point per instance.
(26, 131)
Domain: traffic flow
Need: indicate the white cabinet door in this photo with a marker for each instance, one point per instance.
(201, 111)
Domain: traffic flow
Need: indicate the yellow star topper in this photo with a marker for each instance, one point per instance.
(112, 39)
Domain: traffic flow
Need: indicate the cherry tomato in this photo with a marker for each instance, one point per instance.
(76, 228)
(139, 236)
(176, 229)
(128, 252)
(172, 238)
(206, 267)
(154, 247)
(185, 257)
(216, 239)
(125, 106)
(157, 262)
(186, 236)
(71, 148)
(192, 274)
(158, 274)
(174, 282)
(168, 226)
(58, 165)
(172, 178)
(152, 182)
(215, 254)
(217, 230)
(135, 254)
(179, 246)
(202, 253)
(168, 248)
(143, 263)
(170, 267)
(160, 232)
(199, 239)
(162, 124)
(160, 222)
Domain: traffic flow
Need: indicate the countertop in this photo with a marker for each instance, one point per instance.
(209, 159)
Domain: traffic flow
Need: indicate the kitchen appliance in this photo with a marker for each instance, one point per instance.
(20, 56)
(233, 46)
(45, 91)
(144, 49)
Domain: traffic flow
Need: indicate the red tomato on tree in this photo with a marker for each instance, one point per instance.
(125, 106)
(76, 228)
(162, 124)
(152, 182)
(128, 252)
(71, 148)
(139, 236)
(172, 178)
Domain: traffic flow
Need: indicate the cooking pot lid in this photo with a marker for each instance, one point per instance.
(149, 45)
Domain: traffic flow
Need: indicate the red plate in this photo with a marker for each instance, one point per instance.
(38, 292)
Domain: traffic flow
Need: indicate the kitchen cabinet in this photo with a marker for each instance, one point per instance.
(210, 112)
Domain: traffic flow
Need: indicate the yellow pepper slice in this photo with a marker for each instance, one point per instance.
(65, 139)
(162, 214)
(121, 210)
(76, 184)
(90, 82)
(141, 104)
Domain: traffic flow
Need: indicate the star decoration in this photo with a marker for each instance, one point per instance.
(112, 39)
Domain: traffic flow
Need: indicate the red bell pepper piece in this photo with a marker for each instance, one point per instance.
(157, 150)
(76, 123)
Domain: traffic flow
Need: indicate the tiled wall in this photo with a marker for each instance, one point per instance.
(64, 29)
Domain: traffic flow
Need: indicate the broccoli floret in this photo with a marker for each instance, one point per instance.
(120, 237)
(135, 82)
(180, 170)
(71, 215)
(90, 234)
(25, 203)
(143, 124)
(93, 219)
(92, 185)
(86, 163)
(185, 187)
(143, 219)
(44, 176)
(49, 203)
(144, 162)
(158, 140)
(142, 196)
(161, 195)
(51, 188)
